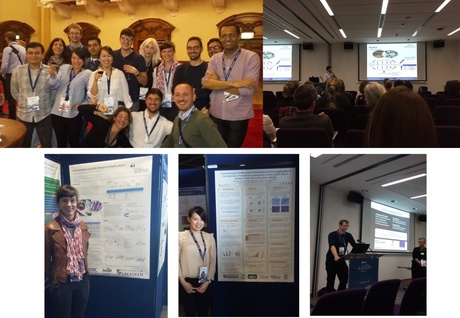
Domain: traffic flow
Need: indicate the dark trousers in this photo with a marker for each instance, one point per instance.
(232, 131)
(340, 269)
(70, 299)
(9, 98)
(67, 130)
(195, 304)
(44, 131)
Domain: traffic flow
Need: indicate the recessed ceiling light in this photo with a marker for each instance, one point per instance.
(404, 180)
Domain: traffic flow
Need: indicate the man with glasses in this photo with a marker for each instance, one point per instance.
(75, 32)
(214, 46)
(232, 76)
(132, 64)
(193, 71)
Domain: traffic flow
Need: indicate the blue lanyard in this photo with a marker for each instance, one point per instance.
(202, 255)
(154, 125)
(167, 79)
(36, 80)
(227, 74)
(71, 77)
(108, 84)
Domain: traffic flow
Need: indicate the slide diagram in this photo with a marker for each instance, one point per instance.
(396, 60)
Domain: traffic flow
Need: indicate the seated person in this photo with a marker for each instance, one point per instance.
(192, 128)
(335, 97)
(106, 132)
(149, 128)
(305, 100)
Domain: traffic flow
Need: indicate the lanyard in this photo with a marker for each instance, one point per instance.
(182, 123)
(145, 125)
(71, 77)
(167, 79)
(198, 245)
(227, 74)
(108, 84)
(36, 80)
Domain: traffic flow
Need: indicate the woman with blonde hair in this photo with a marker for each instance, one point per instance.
(150, 51)
(334, 97)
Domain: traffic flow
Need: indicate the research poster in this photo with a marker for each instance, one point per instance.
(395, 60)
(164, 218)
(115, 202)
(255, 224)
(52, 184)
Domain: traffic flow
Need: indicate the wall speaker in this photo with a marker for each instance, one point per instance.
(348, 46)
(355, 197)
(307, 46)
(438, 43)
(422, 217)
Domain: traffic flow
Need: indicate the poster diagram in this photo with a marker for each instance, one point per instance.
(255, 224)
(115, 202)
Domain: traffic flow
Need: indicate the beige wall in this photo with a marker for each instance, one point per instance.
(195, 18)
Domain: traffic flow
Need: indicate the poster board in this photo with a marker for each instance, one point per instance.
(52, 184)
(255, 219)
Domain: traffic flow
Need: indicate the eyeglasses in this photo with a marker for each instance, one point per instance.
(214, 48)
(126, 38)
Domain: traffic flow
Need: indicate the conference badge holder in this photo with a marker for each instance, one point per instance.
(64, 105)
(110, 102)
(203, 274)
(167, 101)
(33, 103)
(229, 96)
(143, 92)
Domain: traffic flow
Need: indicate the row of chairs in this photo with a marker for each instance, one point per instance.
(379, 300)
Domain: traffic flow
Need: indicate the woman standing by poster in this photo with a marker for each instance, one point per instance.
(197, 265)
(66, 256)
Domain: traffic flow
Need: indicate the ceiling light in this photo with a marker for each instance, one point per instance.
(379, 32)
(404, 180)
(453, 32)
(343, 33)
(292, 34)
(247, 35)
(385, 6)
(442, 6)
(418, 196)
(327, 7)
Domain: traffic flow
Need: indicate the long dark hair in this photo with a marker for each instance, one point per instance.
(65, 54)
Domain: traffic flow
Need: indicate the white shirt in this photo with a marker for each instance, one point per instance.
(140, 130)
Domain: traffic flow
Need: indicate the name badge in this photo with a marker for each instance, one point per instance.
(229, 97)
(64, 105)
(33, 103)
(142, 92)
(110, 102)
(341, 250)
(148, 145)
(167, 101)
(203, 274)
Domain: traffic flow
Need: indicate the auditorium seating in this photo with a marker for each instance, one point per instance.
(452, 102)
(354, 138)
(446, 115)
(414, 299)
(380, 299)
(302, 138)
(340, 122)
(448, 136)
(340, 303)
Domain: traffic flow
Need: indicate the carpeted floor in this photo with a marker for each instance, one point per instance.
(254, 135)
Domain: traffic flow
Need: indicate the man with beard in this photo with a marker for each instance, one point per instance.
(193, 71)
(149, 128)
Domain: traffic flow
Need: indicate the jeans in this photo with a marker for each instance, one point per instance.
(232, 131)
(70, 299)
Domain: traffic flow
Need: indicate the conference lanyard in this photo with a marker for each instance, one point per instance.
(167, 79)
(182, 123)
(198, 245)
(145, 125)
(36, 80)
(227, 74)
(71, 77)
(108, 84)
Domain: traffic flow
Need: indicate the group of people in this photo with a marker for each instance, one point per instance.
(131, 99)
(396, 116)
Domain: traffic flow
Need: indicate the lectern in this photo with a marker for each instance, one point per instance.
(364, 269)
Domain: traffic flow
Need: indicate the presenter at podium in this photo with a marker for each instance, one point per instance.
(335, 261)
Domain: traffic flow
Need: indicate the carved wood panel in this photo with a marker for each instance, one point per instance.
(89, 30)
(158, 29)
(20, 28)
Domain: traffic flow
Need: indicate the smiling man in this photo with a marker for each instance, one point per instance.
(149, 128)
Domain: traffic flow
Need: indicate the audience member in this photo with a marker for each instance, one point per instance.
(13, 56)
(329, 74)
(360, 98)
(346, 93)
(57, 53)
(401, 118)
(451, 90)
(214, 46)
(94, 46)
(30, 88)
(106, 132)
(372, 93)
(149, 128)
(108, 85)
(192, 128)
(288, 106)
(388, 84)
(305, 100)
(163, 78)
(232, 76)
(132, 65)
(193, 71)
(75, 32)
(334, 97)
(72, 82)
(269, 131)
(408, 84)
(150, 51)
(398, 82)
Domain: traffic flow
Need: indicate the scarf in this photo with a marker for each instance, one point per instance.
(160, 80)
(75, 257)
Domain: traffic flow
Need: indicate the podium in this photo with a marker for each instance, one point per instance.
(363, 269)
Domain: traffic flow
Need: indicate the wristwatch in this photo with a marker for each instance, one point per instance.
(209, 281)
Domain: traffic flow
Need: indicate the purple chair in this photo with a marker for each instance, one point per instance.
(380, 300)
(414, 299)
(354, 138)
(340, 303)
(446, 116)
(452, 102)
(302, 138)
(448, 136)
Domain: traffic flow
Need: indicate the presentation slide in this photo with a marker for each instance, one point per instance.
(403, 61)
(255, 224)
(391, 228)
(281, 63)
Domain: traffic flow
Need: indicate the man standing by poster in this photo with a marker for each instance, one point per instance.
(232, 76)
(335, 261)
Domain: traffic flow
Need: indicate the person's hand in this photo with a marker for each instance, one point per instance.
(52, 70)
(245, 82)
(92, 101)
(322, 113)
(203, 287)
(189, 288)
(130, 69)
(75, 107)
(205, 111)
(211, 75)
(337, 258)
(102, 108)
